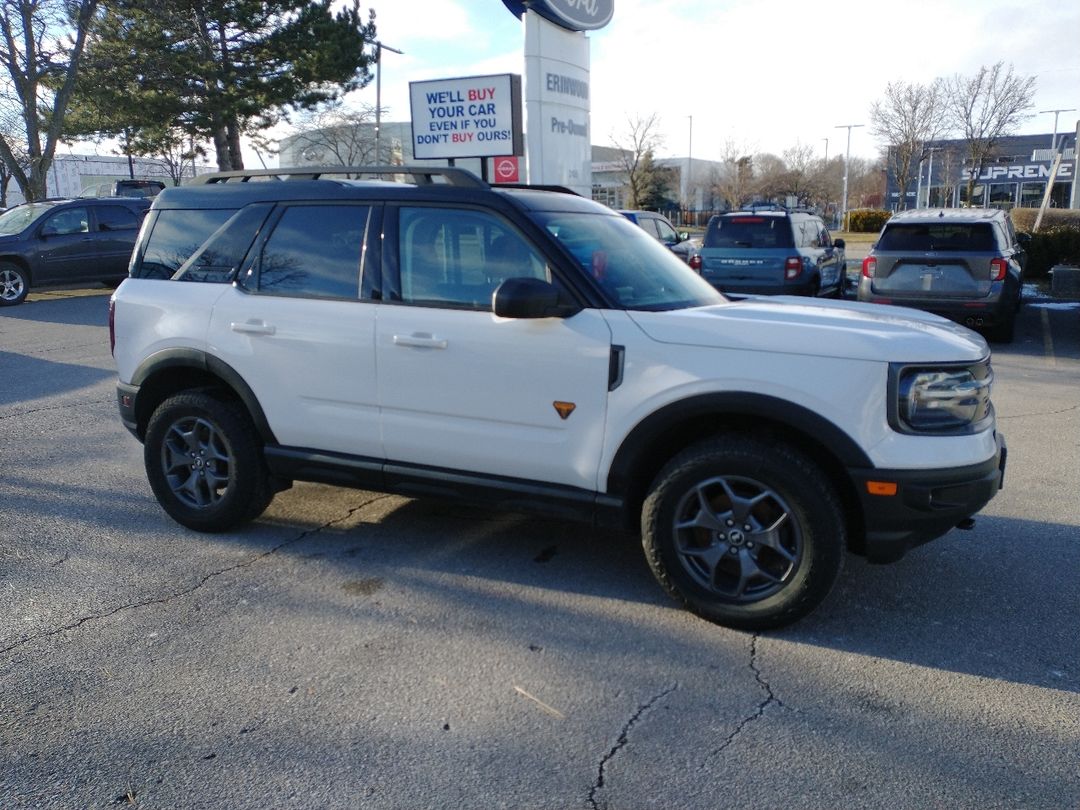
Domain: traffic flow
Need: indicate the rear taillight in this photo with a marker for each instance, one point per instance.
(695, 262)
(998, 269)
(869, 267)
(112, 326)
(792, 267)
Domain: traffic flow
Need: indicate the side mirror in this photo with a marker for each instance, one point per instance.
(1023, 239)
(529, 298)
(839, 243)
(684, 235)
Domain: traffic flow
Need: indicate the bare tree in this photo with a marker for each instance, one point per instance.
(636, 147)
(866, 182)
(985, 108)
(732, 182)
(906, 117)
(336, 136)
(41, 45)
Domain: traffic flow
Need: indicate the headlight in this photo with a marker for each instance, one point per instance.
(950, 399)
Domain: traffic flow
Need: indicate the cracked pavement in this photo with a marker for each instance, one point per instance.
(352, 649)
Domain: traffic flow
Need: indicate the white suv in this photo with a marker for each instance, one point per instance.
(533, 350)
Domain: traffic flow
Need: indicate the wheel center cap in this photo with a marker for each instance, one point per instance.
(736, 538)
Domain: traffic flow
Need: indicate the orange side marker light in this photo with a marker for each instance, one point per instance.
(881, 487)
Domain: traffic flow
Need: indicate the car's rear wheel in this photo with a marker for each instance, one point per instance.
(204, 462)
(14, 284)
(746, 532)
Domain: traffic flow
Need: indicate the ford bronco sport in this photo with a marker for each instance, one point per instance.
(533, 350)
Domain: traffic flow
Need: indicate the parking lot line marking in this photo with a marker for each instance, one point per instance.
(1048, 339)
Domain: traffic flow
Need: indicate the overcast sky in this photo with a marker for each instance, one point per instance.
(766, 75)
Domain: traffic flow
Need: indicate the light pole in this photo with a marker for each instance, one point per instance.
(1053, 139)
(826, 149)
(379, 48)
(847, 161)
(930, 176)
(689, 163)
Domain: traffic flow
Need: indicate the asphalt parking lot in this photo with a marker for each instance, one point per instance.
(352, 649)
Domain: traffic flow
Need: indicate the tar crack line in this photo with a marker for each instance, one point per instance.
(760, 710)
(622, 740)
(171, 597)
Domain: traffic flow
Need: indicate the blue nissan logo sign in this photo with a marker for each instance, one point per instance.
(575, 15)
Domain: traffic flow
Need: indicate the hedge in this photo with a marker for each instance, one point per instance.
(1057, 242)
(866, 220)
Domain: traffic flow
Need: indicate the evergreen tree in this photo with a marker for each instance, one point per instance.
(217, 70)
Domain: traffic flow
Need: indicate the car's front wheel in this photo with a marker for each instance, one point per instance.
(746, 532)
(14, 284)
(204, 462)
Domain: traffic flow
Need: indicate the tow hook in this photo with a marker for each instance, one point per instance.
(967, 524)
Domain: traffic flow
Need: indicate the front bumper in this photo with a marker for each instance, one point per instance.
(926, 504)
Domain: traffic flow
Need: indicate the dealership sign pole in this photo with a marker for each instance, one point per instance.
(558, 146)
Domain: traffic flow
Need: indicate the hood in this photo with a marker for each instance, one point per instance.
(842, 329)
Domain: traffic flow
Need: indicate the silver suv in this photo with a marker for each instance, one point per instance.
(964, 264)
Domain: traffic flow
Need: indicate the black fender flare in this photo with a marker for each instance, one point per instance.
(640, 441)
(180, 357)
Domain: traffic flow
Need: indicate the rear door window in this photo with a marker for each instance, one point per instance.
(116, 218)
(314, 251)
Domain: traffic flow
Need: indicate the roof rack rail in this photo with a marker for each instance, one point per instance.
(421, 175)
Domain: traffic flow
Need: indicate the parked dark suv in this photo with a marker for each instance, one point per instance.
(65, 242)
(769, 251)
(964, 264)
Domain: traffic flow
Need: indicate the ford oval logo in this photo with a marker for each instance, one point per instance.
(576, 15)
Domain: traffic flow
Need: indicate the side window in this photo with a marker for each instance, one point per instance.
(176, 234)
(667, 233)
(220, 256)
(70, 220)
(824, 239)
(648, 224)
(314, 252)
(116, 218)
(456, 258)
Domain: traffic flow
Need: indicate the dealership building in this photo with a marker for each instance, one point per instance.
(1016, 175)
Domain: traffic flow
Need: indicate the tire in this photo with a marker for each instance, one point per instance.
(14, 284)
(205, 464)
(746, 532)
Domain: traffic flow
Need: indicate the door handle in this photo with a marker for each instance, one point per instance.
(253, 327)
(422, 340)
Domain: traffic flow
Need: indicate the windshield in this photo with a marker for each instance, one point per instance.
(636, 270)
(18, 219)
(748, 231)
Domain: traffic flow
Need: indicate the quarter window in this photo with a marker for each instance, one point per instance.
(177, 234)
(314, 252)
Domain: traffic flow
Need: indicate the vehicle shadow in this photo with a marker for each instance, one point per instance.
(991, 603)
(998, 602)
(81, 307)
(38, 378)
